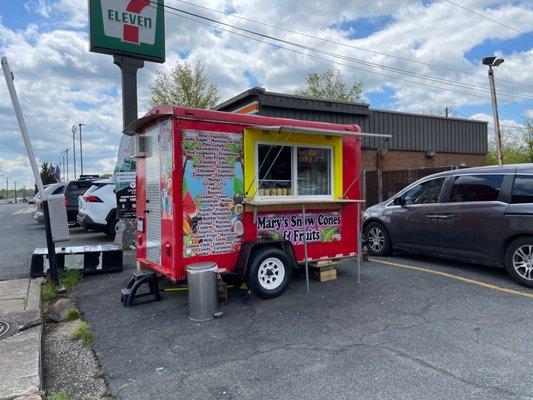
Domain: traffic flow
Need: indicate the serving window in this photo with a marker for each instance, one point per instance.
(294, 170)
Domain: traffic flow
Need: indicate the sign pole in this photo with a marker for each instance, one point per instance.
(27, 143)
(128, 70)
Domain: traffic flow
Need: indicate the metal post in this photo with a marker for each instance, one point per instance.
(305, 250)
(128, 71)
(24, 132)
(15, 192)
(497, 132)
(81, 151)
(66, 153)
(359, 247)
(74, 152)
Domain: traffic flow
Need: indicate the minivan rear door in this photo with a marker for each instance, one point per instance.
(471, 216)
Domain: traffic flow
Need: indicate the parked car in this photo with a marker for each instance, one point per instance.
(54, 188)
(97, 208)
(72, 191)
(482, 215)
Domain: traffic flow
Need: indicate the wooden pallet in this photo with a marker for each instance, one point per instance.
(324, 271)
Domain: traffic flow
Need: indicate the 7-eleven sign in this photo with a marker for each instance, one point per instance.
(128, 27)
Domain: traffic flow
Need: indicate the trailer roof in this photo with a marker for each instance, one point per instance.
(250, 121)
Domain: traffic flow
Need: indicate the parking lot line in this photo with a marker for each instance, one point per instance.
(456, 277)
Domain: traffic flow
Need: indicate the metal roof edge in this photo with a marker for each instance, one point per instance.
(427, 115)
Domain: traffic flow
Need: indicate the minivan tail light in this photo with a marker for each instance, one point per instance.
(92, 199)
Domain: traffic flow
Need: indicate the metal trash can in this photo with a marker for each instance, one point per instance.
(202, 283)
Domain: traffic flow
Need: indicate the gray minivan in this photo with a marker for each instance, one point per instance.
(480, 215)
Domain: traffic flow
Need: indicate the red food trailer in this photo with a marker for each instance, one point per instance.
(257, 195)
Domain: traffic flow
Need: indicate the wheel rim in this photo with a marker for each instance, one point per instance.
(523, 261)
(271, 273)
(376, 239)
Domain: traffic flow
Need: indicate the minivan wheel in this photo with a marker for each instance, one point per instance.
(519, 260)
(377, 239)
(269, 273)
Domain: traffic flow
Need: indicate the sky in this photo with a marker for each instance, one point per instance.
(61, 83)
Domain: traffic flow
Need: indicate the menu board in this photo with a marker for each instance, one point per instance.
(212, 183)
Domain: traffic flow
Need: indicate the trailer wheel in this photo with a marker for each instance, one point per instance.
(269, 273)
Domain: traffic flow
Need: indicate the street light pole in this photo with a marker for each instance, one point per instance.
(66, 153)
(74, 129)
(81, 150)
(494, 62)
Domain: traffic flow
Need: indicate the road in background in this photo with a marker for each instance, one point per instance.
(20, 235)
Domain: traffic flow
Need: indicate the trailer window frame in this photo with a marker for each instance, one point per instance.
(294, 170)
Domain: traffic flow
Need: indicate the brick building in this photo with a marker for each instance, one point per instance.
(420, 144)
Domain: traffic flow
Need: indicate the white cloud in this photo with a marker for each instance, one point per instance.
(60, 83)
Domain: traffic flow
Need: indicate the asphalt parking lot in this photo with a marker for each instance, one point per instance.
(402, 333)
(415, 328)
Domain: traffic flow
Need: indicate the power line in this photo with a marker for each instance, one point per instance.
(345, 44)
(325, 59)
(373, 65)
(489, 18)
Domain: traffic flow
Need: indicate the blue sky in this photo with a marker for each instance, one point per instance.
(60, 83)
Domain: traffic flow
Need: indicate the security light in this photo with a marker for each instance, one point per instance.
(492, 61)
(488, 60)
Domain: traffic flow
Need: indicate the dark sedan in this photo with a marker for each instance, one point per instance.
(482, 215)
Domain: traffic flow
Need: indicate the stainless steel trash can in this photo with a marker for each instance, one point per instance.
(202, 283)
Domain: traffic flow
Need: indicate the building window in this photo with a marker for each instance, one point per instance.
(467, 188)
(523, 189)
(291, 170)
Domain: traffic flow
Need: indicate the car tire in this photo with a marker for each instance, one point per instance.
(112, 229)
(269, 273)
(519, 260)
(377, 239)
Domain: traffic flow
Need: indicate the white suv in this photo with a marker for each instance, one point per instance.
(98, 207)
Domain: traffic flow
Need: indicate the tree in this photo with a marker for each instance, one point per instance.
(186, 85)
(47, 173)
(516, 149)
(332, 86)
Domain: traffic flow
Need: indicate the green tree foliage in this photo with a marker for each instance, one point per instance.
(186, 85)
(331, 85)
(515, 151)
(47, 173)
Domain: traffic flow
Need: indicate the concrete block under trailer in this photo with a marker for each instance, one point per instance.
(236, 189)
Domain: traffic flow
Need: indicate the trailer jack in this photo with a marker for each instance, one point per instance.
(129, 294)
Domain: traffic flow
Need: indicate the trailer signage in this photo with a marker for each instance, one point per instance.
(128, 27)
(319, 227)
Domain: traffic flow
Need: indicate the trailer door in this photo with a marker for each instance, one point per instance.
(153, 206)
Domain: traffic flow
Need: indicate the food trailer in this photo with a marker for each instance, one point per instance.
(256, 195)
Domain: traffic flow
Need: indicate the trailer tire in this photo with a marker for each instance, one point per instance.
(269, 273)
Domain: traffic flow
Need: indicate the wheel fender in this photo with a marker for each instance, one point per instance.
(248, 249)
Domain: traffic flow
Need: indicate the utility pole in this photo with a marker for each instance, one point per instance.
(81, 150)
(494, 62)
(446, 112)
(73, 130)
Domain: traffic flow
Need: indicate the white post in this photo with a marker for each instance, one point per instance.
(22, 125)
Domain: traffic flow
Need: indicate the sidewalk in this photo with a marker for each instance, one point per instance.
(20, 338)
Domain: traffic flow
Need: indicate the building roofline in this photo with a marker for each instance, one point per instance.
(259, 91)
